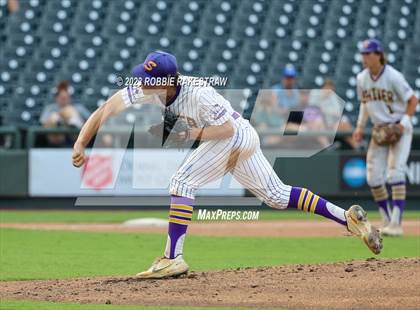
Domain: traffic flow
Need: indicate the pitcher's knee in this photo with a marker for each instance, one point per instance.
(278, 198)
(276, 204)
(181, 187)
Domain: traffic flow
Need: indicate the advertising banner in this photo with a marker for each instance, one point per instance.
(114, 172)
(353, 174)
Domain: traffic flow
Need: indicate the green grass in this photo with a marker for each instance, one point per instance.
(77, 216)
(121, 216)
(27, 254)
(40, 305)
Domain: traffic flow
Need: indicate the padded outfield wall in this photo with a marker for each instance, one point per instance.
(49, 173)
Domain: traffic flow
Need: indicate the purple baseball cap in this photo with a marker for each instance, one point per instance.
(156, 64)
(371, 46)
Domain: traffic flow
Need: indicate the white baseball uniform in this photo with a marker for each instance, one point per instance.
(384, 99)
(240, 155)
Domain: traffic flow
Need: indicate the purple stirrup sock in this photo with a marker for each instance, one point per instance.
(180, 215)
(305, 200)
(398, 199)
(380, 195)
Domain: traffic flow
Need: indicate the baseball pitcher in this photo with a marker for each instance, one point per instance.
(228, 144)
(389, 102)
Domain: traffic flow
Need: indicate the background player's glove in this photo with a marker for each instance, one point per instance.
(173, 130)
(386, 134)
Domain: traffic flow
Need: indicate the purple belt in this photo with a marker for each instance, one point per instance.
(236, 115)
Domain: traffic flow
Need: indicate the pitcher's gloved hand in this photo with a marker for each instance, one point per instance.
(174, 131)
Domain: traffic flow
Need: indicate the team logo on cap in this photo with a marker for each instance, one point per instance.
(150, 65)
(366, 44)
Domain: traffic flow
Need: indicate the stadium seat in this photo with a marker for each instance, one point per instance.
(22, 118)
(92, 42)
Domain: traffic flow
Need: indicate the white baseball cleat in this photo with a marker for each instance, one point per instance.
(358, 224)
(394, 230)
(164, 267)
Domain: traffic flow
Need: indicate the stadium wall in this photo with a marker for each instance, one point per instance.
(332, 174)
(14, 173)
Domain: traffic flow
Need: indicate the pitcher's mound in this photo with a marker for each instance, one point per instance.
(370, 284)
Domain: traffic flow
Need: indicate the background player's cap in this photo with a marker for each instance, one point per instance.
(157, 64)
(289, 71)
(371, 46)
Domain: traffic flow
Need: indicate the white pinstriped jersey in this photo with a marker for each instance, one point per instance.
(240, 154)
(201, 106)
(385, 96)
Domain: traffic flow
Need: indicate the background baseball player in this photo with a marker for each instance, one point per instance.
(229, 144)
(386, 98)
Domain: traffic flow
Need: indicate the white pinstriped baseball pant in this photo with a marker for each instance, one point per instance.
(388, 163)
(240, 155)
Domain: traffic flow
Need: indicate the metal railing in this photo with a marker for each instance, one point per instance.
(31, 134)
(325, 133)
(10, 137)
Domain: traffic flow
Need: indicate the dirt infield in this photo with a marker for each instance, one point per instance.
(288, 228)
(370, 284)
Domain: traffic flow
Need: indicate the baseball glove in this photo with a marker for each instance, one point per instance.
(173, 130)
(386, 134)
